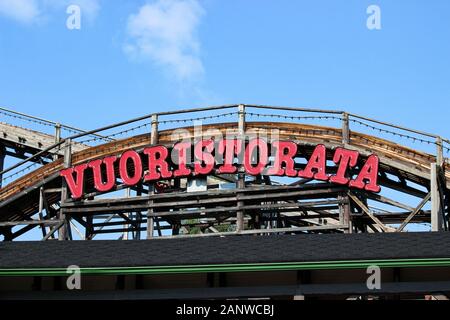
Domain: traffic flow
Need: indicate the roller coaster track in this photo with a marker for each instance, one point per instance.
(301, 206)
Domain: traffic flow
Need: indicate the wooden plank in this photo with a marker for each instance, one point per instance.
(31, 138)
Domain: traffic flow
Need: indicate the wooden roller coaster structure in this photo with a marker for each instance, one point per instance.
(224, 204)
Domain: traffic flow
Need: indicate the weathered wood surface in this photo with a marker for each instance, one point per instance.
(393, 156)
(14, 135)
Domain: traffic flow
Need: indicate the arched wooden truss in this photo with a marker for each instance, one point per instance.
(255, 205)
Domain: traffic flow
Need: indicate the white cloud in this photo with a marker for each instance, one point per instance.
(24, 11)
(31, 11)
(166, 32)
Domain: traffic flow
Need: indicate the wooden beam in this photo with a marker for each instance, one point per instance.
(345, 129)
(367, 211)
(240, 184)
(385, 200)
(264, 231)
(62, 233)
(29, 222)
(53, 230)
(31, 138)
(207, 199)
(439, 152)
(402, 188)
(2, 161)
(436, 205)
(41, 209)
(414, 212)
(150, 216)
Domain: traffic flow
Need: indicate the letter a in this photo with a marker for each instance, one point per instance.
(374, 20)
(346, 159)
(368, 174)
(74, 280)
(73, 21)
(374, 280)
(318, 162)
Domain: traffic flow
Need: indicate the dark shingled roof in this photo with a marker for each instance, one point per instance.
(225, 250)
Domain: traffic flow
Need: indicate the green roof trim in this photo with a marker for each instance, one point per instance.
(254, 267)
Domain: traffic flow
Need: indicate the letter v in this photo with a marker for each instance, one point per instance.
(76, 187)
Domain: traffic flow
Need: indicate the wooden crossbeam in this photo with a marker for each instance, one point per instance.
(265, 231)
(367, 211)
(29, 222)
(414, 212)
(389, 201)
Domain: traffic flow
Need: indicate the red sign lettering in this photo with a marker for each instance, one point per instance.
(259, 158)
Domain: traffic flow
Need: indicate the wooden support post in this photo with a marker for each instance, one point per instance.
(150, 223)
(158, 227)
(62, 233)
(341, 209)
(2, 161)
(240, 203)
(57, 138)
(127, 214)
(436, 205)
(41, 209)
(440, 181)
(347, 215)
(344, 212)
(89, 228)
(442, 185)
(241, 173)
(154, 129)
(345, 129)
(439, 152)
(138, 214)
(151, 191)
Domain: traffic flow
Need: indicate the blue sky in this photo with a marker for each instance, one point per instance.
(295, 53)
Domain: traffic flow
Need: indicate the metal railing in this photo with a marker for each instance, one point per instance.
(40, 121)
(148, 121)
